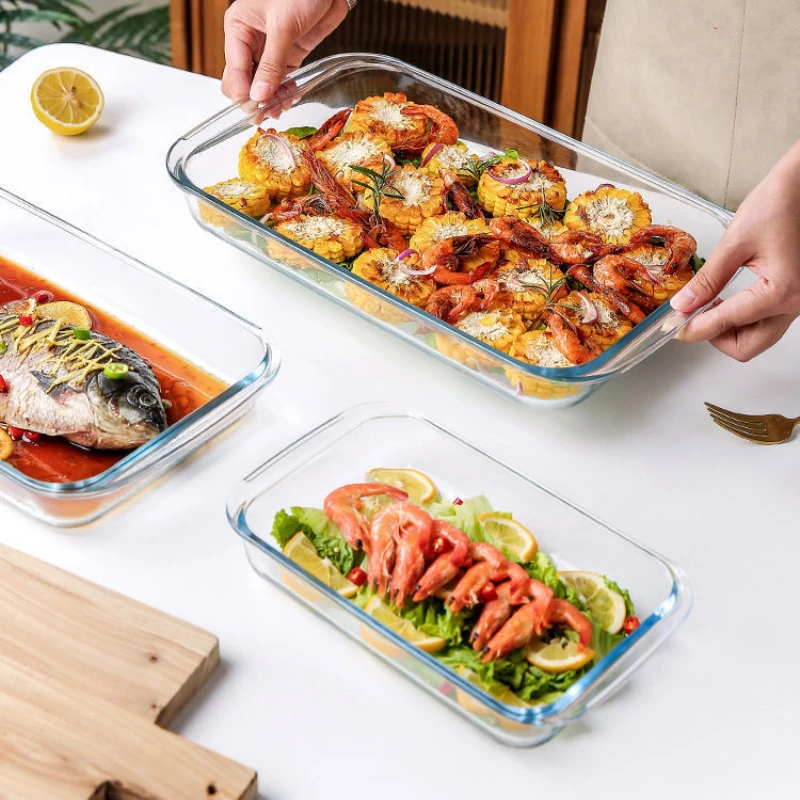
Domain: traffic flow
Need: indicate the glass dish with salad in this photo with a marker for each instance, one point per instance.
(509, 604)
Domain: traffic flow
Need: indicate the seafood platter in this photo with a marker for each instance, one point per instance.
(103, 390)
(521, 257)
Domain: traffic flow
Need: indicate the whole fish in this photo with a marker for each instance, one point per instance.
(55, 384)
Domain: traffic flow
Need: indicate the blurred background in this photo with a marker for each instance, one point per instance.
(535, 56)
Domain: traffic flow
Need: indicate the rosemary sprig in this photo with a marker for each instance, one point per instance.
(474, 169)
(379, 184)
(544, 211)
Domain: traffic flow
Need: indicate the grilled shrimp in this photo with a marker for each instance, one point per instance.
(441, 128)
(450, 303)
(487, 291)
(681, 244)
(577, 247)
(447, 565)
(459, 195)
(446, 255)
(628, 310)
(324, 182)
(384, 234)
(520, 235)
(328, 131)
(562, 612)
(569, 340)
(343, 507)
(400, 537)
(493, 616)
(629, 278)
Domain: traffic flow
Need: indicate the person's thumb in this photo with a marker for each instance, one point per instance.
(272, 66)
(730, 254)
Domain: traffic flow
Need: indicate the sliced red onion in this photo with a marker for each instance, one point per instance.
(512, 181)
(653, 278)
(589, 310)
(413, 273)
(284, 145)
(390, 160)
(431, 153)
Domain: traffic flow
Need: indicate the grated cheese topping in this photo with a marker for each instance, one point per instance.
(389, 113)
(234, 189)
(486, 327)
(274, 153)
(520, 278)
(543, 352)
(415, 186)
(453, 156)
(537, 182)
(653, 258)
(352, 151)
(449, 229)
(610, 215)
(314, 228)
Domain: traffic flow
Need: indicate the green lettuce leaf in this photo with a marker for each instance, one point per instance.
(615, 587)
(431, 617)
(323, 534)
(464, 516)
(603, 642)
(544, 570)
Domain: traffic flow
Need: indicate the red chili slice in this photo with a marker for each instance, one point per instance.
(458, 502)
(3, 385)
(42, 297)
(630, 624)
(32, 436)
(26, 320)
(15, 433)
(357, 576)
(488, 593)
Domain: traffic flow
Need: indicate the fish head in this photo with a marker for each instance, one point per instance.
(128, 411)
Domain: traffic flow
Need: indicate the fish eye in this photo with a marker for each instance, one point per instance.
(141, 397)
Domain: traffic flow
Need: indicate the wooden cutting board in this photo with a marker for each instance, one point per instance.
(84, 675)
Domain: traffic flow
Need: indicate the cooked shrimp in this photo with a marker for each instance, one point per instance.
(450, 303)
(447, 565)
(459, 195)
(324, 182)
(401, 538)
(569, 340)
(628, 310)
(328, 131)
(577, 247)
(441, 128)
(493, 616)
(562, 612)
(446, 256)
(487, 291)
(343, 507)
(520, 235)
(681, 244)
(629, 278)
(384, 234)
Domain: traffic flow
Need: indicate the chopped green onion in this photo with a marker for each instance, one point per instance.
(115, 370)
(81, 333)
(3, 347)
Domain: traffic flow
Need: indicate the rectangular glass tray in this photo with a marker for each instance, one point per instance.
(343, 449)
(209, 154)
(164, 310)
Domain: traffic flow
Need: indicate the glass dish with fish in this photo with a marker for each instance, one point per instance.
(522, 257)
(103, 386)
(506, 602)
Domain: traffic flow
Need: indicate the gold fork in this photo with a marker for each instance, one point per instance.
(760, 428)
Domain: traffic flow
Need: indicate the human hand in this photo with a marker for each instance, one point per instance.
(274, 36)
(764, 236)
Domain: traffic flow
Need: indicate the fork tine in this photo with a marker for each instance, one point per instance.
(754, 427)
(759, 439)
(734, 414)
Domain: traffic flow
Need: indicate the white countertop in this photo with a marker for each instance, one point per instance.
(711, 715)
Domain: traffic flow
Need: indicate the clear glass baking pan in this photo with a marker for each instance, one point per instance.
(343, 449)
(173, 315)
(209, 154)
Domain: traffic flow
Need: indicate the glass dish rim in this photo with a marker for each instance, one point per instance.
(678, 602)
(592, 371)
(263, 373)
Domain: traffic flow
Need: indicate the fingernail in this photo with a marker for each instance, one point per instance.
(684, 299)
(261, 91)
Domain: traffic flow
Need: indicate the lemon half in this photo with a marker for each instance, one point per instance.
(419, 486)
(509, 535)
(67, 100)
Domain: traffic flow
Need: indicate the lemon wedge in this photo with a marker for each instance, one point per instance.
(67, 312)
(67, 100)
(606, 606)
(557, 655)
(303, 553)
(509, 535)
(419, 486)
(6, 446)
(376, 608)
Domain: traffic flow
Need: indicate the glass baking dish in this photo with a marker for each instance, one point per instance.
(208, 154)
(154, 304)
(343, 449)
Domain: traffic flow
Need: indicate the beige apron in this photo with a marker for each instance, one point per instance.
(705, 93)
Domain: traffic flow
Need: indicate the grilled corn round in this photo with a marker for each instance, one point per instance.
(528, 283)
(654, 259)
(422, 197)
(524, 199)
(330, 237)
(383, 116)
(244, 196)
(613, 214)
(451, 156)
(498, 329)
(274, 160)
(537, 347)
(354, 149)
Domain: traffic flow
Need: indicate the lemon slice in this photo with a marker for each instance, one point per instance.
(419, 486)
(67, 100)
(606, 606)
(69, 313)
(499, 691)
(509, 535)
(376, 608)
(557, 655)
(303, 553)
(6, 446)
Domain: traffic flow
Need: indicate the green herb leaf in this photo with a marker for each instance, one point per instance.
(302, 131)
(696, 262)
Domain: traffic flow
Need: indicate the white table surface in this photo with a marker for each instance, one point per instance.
(713, 714)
